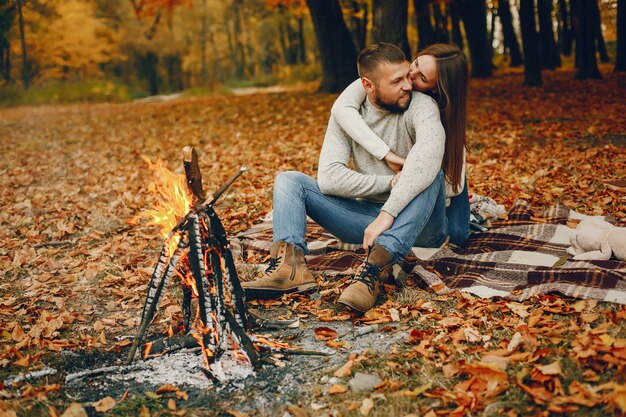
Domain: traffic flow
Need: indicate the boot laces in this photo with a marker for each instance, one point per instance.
(273, 264)
(370, 275)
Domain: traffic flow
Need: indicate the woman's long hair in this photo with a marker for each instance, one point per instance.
(451, 96)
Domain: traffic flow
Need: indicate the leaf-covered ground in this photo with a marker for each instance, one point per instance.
(75, 269)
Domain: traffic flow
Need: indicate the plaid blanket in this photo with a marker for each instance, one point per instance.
(515, 259)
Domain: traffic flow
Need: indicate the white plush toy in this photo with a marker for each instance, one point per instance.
(595, 238)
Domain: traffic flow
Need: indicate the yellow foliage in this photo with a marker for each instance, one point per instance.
(71, 43)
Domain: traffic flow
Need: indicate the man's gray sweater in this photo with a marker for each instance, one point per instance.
(416, 134)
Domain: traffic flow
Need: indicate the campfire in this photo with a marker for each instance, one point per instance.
(196, 251)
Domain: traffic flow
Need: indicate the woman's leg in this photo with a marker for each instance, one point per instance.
(458, 214)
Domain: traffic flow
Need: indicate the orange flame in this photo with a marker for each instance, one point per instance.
(174, 202)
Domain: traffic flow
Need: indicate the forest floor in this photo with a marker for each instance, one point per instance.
(75, 267)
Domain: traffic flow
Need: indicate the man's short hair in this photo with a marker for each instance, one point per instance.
(378, 53)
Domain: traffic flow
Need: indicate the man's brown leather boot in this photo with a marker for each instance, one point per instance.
(286, 273)
(362, 293)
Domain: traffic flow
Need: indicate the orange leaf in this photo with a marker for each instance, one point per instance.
(337, 389)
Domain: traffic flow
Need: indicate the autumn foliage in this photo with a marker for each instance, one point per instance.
(75, 268)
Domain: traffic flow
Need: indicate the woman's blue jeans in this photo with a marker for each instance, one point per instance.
(458, 214)
(422, 223)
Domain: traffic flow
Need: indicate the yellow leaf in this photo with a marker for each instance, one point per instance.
(551, 369)
(104, 405)
(74, 410)
(422, 389)
(607, 339)
(366, 406)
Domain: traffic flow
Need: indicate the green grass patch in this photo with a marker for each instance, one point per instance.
(68, 92)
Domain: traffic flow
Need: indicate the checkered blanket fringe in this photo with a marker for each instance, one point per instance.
(515, 259)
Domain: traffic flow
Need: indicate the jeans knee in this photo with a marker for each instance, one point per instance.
(289, 181)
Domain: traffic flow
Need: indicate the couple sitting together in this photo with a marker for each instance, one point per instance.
(391, 173)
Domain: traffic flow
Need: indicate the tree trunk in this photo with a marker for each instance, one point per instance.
(583, 25)
(357, 24)
(173, 65)
(25, 66)
(550, 58)
(530, 40)
(565, 29)
(441, 24)
(301, 45)
(425, 30)
(492, 29)
(620, 62)
(215, 58)
(149, 63)
(604, 56)
(7, 15)
(457, 36)
(474, 14)
(5, 60)
(335, 45)
(510, 38)
(389, 20)
(204, 74)
(240, 53)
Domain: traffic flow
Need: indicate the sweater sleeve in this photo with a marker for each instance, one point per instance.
(335, 178)
(346, 112)
(423, 162)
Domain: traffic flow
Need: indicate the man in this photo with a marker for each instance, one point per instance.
(361, 205)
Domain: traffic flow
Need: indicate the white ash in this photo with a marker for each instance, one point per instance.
(183, 368)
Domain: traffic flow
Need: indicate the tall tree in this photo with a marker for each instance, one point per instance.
(620, 62)
(357, 20)
(7, 15)
(389, 20)
(597, 22)
(25, 63)
(565, 29)
(455, 17)
(425, 31)
(335, 45)
(474, 14)
(440, 14)
(584, 29)
(510, 38)
(530, 40)
(550, 56)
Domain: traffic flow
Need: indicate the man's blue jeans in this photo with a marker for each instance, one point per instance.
(422, 223)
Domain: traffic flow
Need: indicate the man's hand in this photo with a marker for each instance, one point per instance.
(394, 161)
(395, 179)
(382, 223)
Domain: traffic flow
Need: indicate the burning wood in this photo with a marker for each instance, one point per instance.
(197, 251)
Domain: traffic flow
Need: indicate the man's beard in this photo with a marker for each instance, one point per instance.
(394, 107)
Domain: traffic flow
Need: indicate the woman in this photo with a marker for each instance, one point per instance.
(440, 71)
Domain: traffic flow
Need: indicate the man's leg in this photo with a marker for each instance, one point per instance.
(295, 196)
(422, 223)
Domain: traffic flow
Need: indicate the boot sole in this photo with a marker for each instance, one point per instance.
(354, 307)
(269, 294)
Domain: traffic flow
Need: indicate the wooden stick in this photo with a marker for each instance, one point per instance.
(101, 371)
(52, 244)
(193, 174)
(304, 352)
